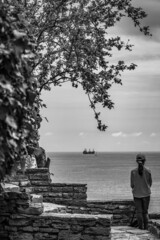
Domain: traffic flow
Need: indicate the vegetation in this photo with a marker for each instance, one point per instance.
(44, 43)
(18, 90)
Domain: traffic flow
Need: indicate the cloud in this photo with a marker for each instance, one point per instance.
(121, 134)
(48, 133)
(153, 134)
(81, 134)
(136, 134)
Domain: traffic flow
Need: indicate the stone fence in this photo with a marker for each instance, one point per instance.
(16, 223)
(60, 193)
(121, 210)
(75, 197)
(22, 214)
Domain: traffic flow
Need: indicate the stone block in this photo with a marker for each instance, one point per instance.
(11, 229)
(154, 215)
(41, 189)
(48, 230)
(80, 196)
(39, 176)
(24, 202)
(25, 183)
(36, 170)
(55, 189)
(27, 190)
(19, 222)
(45, 236)
(33, 209)
(75, 237)
(80, 189)
(30, 229)
(76, 228)
(67, 189)
(64, 235)
(8, 187)
(20, 236)
(53, 194)
(42, 222)
(40, 183)
(94, 237)
(61, 226)
(36, 198)
(67, 195)
(104, 231)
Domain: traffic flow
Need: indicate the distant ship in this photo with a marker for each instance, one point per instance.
(88, 151)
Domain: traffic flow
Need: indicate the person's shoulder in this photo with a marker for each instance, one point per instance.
(134, 170)
(147, 169)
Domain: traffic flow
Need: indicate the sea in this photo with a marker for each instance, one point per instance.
(107, 174)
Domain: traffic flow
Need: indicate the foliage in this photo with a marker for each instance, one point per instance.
(46, 42)
(18, 90)
(73, 44)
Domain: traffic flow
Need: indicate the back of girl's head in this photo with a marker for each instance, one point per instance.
(140, 158)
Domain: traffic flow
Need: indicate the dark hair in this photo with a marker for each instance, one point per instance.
(140, 158)
(140, 168)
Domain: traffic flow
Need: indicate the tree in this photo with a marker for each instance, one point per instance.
(44, 43)
(73, 45)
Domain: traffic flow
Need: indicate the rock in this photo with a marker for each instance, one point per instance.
(20, 236)
(8, 187)
(36, 198)
(33, 209)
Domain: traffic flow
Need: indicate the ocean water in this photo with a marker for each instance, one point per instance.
(107, 175)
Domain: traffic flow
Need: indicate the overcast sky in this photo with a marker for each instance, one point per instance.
(134, 123)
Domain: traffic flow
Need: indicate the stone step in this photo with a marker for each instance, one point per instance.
(10, 187)
(130, 233)
(54, 208)
(154, 227)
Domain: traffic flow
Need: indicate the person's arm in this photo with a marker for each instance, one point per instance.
(131, 180)
(150, 179)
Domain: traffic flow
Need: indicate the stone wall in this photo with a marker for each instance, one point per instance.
(59, 227)
(75, 197)
(17, 226)
(121, 210)
(60, 193)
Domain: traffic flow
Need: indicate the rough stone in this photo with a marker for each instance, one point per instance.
(98, 231)
(48, 230)
(40, 183)
(20, 236)
(64, 235)
(8, 187)
(125, 233)
(36, 198)
(75, 237)
(39, 176)
(36, 170)
(19, 222)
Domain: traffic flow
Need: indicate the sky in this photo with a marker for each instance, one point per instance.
(134, 123)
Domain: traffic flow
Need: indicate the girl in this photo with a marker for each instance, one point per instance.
(141, 181)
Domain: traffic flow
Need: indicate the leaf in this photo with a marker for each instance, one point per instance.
(2, 157)
(11, 122)
(6, 86)
(18, 34)
(31, 96)
(2, 113)
(13, 143)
